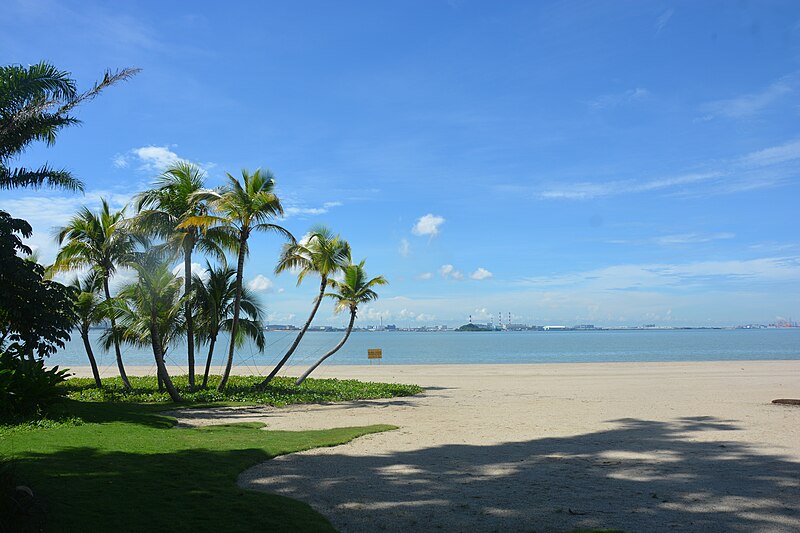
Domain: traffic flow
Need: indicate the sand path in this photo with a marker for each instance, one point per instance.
(641, 447)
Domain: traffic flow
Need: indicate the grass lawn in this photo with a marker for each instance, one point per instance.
(122, 466)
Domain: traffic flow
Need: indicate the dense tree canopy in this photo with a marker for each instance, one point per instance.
(35, 313)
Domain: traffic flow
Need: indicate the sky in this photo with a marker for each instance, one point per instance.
(610, 163)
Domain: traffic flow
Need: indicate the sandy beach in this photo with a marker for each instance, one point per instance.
(635, 446)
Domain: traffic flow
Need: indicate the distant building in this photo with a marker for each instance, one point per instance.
(391, 327)
(280, 327)
(515, 327)
(585, 326)
(557, 328)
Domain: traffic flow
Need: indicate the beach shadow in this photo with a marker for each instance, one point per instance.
(640, 475)
(87, 489)
(212, 414)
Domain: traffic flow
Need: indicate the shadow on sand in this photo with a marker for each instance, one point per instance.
(639, 476)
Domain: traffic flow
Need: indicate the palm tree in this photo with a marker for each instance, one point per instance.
(242, 207)
(150, 311)
(35, 103)
(162, 210)
(214, 299)
(322, 253)
(90, 313)
(353, 290)
(102, 242)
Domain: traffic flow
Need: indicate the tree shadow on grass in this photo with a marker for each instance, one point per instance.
(85, 489)
(139, 478)
(638, 476)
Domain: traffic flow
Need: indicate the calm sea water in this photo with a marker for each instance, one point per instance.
(485, 347)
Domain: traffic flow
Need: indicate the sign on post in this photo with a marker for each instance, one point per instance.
(374, 353)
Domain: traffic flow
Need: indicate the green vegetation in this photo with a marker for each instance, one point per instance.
(323, 254)
(102, 242)
(354, 289)
(239, 209)
(472, 327)
(214, 298)
(125, 468)
(35, 104)
(240, 390)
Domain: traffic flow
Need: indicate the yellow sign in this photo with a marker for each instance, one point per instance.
(374, 353)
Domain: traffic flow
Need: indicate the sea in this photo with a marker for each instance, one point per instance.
(489, 347)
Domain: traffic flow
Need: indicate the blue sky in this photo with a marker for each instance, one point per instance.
(565, 162)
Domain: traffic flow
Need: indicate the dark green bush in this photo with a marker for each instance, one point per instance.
(26, 386)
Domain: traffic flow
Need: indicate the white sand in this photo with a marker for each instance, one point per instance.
(639, 446)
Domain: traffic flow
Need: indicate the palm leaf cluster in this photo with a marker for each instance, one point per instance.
(35, 105)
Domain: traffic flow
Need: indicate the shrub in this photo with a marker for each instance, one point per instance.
(26, 386)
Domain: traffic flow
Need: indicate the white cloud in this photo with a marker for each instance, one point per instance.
(260, 283)
(587, 190)
(405, 247)
(120, 161)
(370, 313)
(149, 158)
(428, 225)
(406, 314)
(197, 269)
(449, 271)
(686, 276)
(280, 318)
(301, 211)
(607, 101)
(663, 19)
(60, 208)
(425, 276)
(747, 105)
(774, 155)
(481, 274)
(692, 238)
(768, 167)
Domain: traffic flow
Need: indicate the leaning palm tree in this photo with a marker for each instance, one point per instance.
(213, 299)
(150, 311)
(353, 290)
(242, 207)
(102, 242)
(161, 210)
(321, 253)
(35, 104)
(90, 313)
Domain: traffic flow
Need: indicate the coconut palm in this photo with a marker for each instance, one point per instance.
(242, 207)
(321, 253)
(35, 102)
(150, 311)
(353, 290)
(161, 210)
(100, 241)
(89, 310)
(214, 298)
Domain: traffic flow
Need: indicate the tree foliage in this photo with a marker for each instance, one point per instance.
(35, 105)
(35, 313)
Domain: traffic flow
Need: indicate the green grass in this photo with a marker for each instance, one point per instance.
(281, 391)
(120, 465)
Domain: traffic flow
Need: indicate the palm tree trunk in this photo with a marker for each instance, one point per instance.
(237, 302)
(293, 347)
(90, 355)
(335, 349)
(122, 374)
(187, 287)
(158, 351)
(213, 341)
